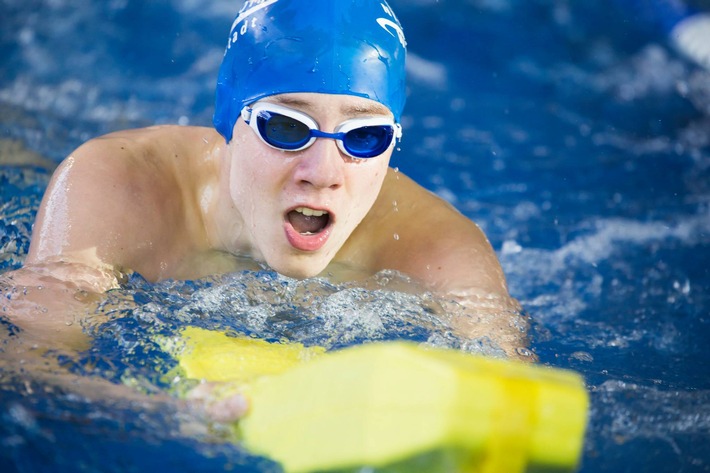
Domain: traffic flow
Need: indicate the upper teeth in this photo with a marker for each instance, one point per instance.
(311, 212)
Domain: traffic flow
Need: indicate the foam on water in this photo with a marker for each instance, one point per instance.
(129, 323)
(651, 423)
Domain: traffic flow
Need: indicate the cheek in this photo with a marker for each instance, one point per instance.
(367, 187)
(256, 188)
(247, 172)
(373, 182)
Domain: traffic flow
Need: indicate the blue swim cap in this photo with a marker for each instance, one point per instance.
(352, 47)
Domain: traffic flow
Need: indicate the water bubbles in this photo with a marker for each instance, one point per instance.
(19, 415)
(582, 356)
(524, 352)
(511, 247)
(683, 288)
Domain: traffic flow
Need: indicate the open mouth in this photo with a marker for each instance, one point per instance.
(308, 221)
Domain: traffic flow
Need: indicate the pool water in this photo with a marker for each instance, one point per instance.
(570, 131)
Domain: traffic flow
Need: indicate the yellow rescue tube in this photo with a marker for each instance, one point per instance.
(381, 403)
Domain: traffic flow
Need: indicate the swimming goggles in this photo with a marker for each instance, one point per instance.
(289, 130)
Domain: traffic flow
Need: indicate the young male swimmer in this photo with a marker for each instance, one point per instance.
(295, 176)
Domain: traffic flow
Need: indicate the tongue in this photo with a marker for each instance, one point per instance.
(304, 224)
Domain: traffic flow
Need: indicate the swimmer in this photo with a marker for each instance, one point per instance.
(294, 175)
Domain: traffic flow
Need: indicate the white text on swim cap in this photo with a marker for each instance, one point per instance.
(250, 8)
(384, 23)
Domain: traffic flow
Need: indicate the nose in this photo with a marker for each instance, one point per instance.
(321, 166)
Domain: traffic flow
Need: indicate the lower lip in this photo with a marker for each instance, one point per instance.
(302, 242)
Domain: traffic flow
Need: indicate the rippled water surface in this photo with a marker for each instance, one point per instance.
(569, 130)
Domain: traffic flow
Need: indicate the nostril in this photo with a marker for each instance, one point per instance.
(315, 183)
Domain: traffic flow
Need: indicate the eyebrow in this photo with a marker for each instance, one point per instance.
(373, 108)
(368, 109)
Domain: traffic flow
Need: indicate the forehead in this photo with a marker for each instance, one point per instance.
(345, 105)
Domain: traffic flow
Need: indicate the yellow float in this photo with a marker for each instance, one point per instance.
(380, 404)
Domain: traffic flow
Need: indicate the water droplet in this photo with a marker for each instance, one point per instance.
(522, 351)
(581, 356)
(396, 236)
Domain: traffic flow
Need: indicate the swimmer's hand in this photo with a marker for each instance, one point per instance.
(47, 307)
(220, 402)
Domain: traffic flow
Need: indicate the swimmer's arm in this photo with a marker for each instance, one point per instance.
(48, 296)
(102, 210)
(441, 248)
(49, 314)
(456, 261)
(72, 224)
(460, 265)
(449, 254)
(416, 232)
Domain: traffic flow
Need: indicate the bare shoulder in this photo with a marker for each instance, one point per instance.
(416, 232)
(103, 198)
(132, 153)
(144, 147)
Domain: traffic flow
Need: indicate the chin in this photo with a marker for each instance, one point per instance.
(299, 269)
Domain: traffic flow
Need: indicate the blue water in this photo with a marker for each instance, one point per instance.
(569, 130)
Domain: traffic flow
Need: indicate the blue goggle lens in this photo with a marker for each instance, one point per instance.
(281, 131)
(368, 141)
